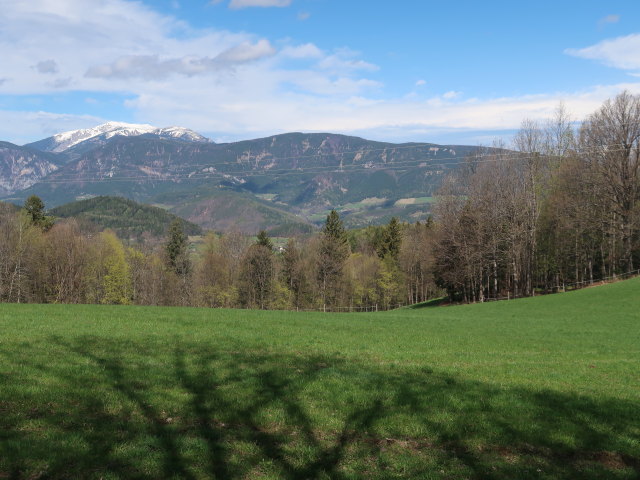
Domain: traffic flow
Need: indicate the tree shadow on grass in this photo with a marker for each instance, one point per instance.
(198, 412)
(436, 302)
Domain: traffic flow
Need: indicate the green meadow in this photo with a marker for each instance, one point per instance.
(543, 388)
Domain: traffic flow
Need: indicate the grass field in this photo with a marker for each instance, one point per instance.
(546, 387)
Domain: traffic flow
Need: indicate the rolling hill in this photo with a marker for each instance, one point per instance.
(129, 219)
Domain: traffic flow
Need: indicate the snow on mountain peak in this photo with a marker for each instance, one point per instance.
(65, 140)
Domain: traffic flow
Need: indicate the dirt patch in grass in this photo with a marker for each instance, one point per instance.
(614, 460)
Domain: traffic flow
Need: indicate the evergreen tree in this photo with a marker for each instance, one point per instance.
(264, 240)
(391, 240)
(333, 252)
(34, 207)
(176, 249)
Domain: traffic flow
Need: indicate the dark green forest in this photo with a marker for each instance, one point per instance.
(127, 218)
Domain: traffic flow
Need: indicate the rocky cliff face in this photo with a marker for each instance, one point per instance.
(21, 167)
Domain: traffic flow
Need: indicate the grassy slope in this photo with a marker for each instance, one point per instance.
(537, 388)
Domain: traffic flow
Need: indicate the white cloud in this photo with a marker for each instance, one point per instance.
(451, 95)
(302, 16)
(259, 112)
(421, 83)
(246, 52)
(23, 127)
(150, 67)
(156, 60)
(305, 51)
(345, 59)
(61, 83)
(225, 84)
(137, 46)
(608, 20)
(46, 66)
(621, 52)
(237, 4)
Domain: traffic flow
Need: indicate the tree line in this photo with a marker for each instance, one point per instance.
(60, 262)
(560, 207)
(564, 208)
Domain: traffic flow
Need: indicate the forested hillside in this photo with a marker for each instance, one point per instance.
(127, 218)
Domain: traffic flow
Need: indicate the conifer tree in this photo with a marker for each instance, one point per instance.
(333, 252)
(176, 249)
(264, 240)
(34, 207)
(391, 240)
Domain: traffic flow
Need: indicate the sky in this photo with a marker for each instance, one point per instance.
(464, 72)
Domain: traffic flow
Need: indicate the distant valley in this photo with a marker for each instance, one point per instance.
(283, 183)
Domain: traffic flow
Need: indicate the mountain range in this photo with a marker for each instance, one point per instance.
(283, 183)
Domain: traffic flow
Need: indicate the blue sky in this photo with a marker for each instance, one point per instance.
(446, 72)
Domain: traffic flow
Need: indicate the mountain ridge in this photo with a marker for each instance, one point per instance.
(303, 174)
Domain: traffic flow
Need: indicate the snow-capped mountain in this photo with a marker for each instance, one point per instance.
(180, 133)
(62, 142)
